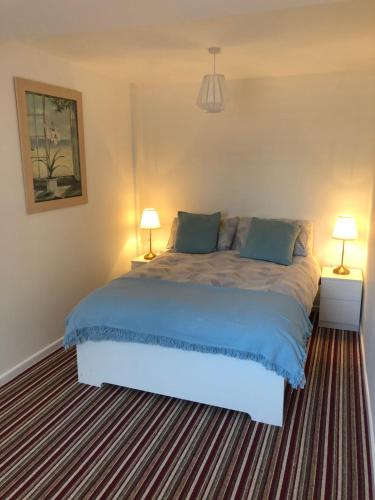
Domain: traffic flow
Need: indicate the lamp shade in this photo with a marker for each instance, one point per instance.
(345, 228)
(150, 219)
(211, 97)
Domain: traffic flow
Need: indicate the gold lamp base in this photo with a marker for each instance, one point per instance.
(341, 270)
(150, 255)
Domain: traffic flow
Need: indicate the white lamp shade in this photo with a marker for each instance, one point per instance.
(150, 219)
(211, 97)
(345, 228)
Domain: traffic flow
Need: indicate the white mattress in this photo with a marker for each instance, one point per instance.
(226, 268)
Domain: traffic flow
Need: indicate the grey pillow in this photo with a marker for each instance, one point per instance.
(304, 242)
(243, 228)
(172, 234)
(302, 248)
(226, 233)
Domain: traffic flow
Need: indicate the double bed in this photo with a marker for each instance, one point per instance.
(179, 325)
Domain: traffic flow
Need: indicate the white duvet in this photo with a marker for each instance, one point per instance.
(226, 268)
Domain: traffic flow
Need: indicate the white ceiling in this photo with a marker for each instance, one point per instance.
(44, 18)
(158, 41)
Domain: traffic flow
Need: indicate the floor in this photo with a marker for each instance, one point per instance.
(60, 439)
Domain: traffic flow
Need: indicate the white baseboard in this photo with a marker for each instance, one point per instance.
(369, 412)
(25, 364)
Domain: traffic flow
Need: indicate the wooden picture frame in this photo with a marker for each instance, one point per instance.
(50, 124)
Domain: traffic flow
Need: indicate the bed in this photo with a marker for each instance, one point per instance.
(180, 288)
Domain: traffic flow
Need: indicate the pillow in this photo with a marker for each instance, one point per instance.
(227, 232)
(172, 235)
(271, 240)
(304, 242)
(243, 227)
(197, 233)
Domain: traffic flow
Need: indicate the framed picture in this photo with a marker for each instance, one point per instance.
(52, 145)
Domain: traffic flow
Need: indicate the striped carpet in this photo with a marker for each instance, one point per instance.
(59, 439)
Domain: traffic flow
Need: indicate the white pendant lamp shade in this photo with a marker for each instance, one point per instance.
(211, 97)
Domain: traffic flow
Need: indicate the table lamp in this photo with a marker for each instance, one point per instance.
(150, 220)
(345, 229)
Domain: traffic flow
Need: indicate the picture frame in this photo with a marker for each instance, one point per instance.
(50, 121)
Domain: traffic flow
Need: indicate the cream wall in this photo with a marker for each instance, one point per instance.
(51, 260)
(289, 147)
(368, 320)
(299, 147)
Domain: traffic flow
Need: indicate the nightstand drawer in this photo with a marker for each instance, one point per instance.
(141, 261)
(340, 311)
(135, 265)
(341, 290)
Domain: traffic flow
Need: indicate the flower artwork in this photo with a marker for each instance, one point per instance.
(51, 134)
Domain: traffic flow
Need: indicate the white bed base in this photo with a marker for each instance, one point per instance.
(212, 379)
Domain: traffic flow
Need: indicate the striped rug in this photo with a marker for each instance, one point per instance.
(60, 439)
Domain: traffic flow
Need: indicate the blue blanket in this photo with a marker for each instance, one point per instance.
(266, 327)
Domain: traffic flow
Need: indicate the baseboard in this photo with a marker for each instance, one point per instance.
(369, 413)
(24, 365)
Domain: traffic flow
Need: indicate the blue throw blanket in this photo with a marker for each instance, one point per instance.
(266, 327)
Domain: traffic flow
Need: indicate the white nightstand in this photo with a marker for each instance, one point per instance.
(340, 299)
(138, 261)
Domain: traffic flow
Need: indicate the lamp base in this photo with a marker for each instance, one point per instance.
(150, 255)
(341, 270)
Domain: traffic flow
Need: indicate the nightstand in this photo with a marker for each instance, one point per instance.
(139, 261)
(340, 299)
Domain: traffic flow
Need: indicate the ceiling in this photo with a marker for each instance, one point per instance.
(159, 41)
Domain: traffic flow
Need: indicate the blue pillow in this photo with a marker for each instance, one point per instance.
(197, 233)
(271, 240)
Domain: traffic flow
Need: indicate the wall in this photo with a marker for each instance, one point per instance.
(51, 260)
(290, 147)
(299, 147)
(368, 320)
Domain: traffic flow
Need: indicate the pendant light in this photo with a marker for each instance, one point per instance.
(211, 97)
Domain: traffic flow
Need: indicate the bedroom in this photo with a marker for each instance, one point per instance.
(296, 141)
